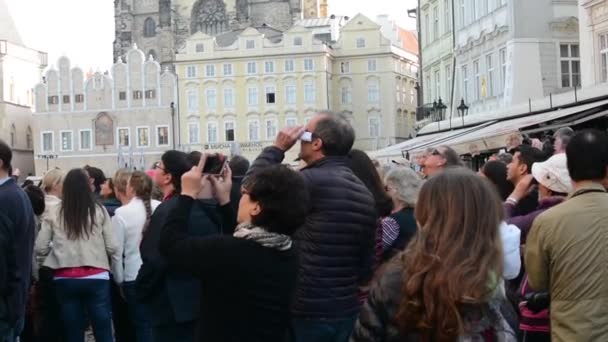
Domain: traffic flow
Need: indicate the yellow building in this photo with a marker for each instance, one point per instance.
(237, 90)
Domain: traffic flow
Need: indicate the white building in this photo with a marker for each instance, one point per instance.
(593, 16)
(122, 119)
(20, 68)
(510, 52)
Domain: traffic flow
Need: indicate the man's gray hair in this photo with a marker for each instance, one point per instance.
(406, 183)
(337, 134)
(565, 134)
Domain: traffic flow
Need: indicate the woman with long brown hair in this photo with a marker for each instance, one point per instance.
(446, 286)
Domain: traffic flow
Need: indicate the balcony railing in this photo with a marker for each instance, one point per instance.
(426, 112)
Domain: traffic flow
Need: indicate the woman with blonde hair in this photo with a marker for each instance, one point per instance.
(130, 221)
(447, 285)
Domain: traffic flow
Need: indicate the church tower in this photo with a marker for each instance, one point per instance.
(314, 9)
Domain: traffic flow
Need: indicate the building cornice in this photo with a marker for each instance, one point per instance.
(483, 37)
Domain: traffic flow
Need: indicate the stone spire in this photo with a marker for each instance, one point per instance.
(8, 30)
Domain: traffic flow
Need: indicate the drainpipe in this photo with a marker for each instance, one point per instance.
(173, 124)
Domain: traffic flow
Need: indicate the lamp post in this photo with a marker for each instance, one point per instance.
(47, 157)
(463, 109)
(439, 112)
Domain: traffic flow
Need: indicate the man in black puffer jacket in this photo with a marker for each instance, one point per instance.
(336, 244)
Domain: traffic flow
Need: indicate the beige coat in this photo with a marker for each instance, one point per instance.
(567, 255)
(61, 252)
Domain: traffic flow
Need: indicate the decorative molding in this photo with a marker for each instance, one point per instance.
(483, 37)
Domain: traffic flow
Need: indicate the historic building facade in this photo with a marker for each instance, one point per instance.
(122, 119)
(160, 27)
(593, 16)
(236, 95)
(20, 68)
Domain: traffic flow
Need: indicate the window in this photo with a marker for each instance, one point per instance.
(269, 67)
(448, 81)
(211, 99)
(477, 73)
(137, 95)
(438, 84)
(85, 140)
(271, 129)
(270, 95)
(228, 97)
(465, 83)
(162, 135)
(374, 127)
(229, 131)
(251, 68)
(373, 93)
(192, 101)
(412, 94)
(309, 92)
(66, 99)
(474, 10)
(79, 98)
(252, 96)
(503, 69)
(250, 44)
(345, 67)
(53, 100)
(227, 69)
(149, 27)
(308, 64)
(603, 38)
(210, 70)
(371, 65)
(254, 130)
(291, 122)
(143, 137)
(491, 77)
(435, 23)
(290, 94)
(122, 95)
(347, 95)
(429, 93)
(447, 17)
(193, 133)
(47, 141)
(297, 41)
(289, 65)
(200, 47)
(150, 94)
(191, 71)
(462, 14)
(360, 43)
(570, 62)
(124, 137)
(212, 132)
(28, 138)
(427, 32)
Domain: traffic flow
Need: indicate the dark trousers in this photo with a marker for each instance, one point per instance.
(47, 315)
(124, 329)
(320, 330)
(85, 298)
(174, 332)
(138, 313)
(528, 336)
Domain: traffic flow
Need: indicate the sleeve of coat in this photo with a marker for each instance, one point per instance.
(269, 156)
(118, 224)
(109, 238)
(379, 308)
(536, 257)
(44, 238)
(510, 237)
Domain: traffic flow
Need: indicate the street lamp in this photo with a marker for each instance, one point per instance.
(463, 109)
(47, 157)
(438, 112)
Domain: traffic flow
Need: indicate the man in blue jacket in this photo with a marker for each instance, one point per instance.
(335, 245)
(16, 206)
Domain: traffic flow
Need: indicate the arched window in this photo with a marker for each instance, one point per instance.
(28, 137)
(149, 28)
(153, 54)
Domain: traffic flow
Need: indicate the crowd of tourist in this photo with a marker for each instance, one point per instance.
(344, 248)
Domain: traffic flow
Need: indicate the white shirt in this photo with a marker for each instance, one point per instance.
(510, 236)
(128, 223)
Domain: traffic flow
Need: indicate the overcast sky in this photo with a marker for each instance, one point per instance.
(84, 29)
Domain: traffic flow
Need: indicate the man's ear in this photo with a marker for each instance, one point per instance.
(317, 144)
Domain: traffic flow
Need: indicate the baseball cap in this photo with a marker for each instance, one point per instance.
(553, 174)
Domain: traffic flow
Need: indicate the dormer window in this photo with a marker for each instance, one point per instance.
(250, 44)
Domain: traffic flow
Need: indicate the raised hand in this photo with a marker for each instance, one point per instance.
(222, 185)
(192, 181)
(288, 137)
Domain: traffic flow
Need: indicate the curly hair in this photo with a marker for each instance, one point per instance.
(454, 256)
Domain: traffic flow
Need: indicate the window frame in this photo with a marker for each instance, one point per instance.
(210, 70)
(226, 123)
(158, 144)
(249, 122)
(570, 59)
(210, 105)
(80, 147)
(191, 71)
(372, 65)
(210, 124)
(231, 104)
(192, 106)
(137, 128)
(230, 67)
(491, 79)
(269, 67)
(288, 94)
(360, 43)
(252, 68)
(249, 96)
(291, 63)
(309, 92)
(378, 128)
(307, 67)
(118, 129)
(275, 121)
(196, 141)
(61, 132)
(42, 134)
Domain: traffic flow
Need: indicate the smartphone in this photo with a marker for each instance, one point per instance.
(306, 136)
(214, 165)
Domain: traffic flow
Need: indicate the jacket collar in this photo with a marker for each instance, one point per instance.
(7, 181)
(591, 187)
(327, 161)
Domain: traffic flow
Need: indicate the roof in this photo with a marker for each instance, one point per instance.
(8, 30)
(318, 22)
(409, 40)
(228, 38)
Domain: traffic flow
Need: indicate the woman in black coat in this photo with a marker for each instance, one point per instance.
(249, 278)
